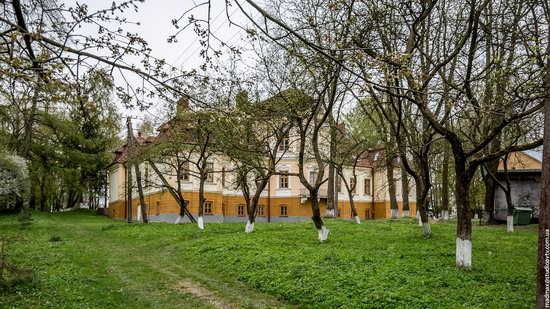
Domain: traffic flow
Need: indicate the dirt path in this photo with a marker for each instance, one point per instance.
(199, 288)
(191, 287)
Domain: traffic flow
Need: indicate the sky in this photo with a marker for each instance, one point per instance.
(154, 17)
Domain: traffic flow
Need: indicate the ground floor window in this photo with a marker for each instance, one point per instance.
(261, 210)
(207, 208)
(240, 210)
(284, 210)
(158, 208)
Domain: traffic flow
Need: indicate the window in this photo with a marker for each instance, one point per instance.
(260, 211)
(284, 210)
(339, 184)
(394, 184)
(283, 181)
(240, 210)
(312, 177)
(367, 187)
(223, 176)
(184, 173)
(158, 208)
(207, 208)
(285, 144)
(352, 185)
(210, 172)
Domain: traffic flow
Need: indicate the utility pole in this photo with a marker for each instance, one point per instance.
(129, 145)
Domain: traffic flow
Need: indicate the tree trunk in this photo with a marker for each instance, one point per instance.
(43, 193)
(391, 184)
(129, 142)
(510, 216)
(140, 192)
(490, 188)
(445, 186)
(543, 261)
(422, 203)
(200, 220)
(331, 206)
(405, 191)
(464, 222)
(251, 217)
(353, 209)
(317, 220)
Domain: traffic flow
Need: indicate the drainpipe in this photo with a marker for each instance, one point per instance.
(269, 200)
(372, 192)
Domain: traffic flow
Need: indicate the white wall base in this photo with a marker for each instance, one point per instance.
(509, 224)
(249, 227)
(357, 220)
(445, 214)
(323, 233)
(427, 229)
(200, 223)
(463, 253)
(178, 220)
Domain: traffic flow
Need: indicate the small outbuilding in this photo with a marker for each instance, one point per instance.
(524, 170)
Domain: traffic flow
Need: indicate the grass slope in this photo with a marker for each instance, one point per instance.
(100, 263)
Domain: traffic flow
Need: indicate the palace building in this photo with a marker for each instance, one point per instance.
(285, 199)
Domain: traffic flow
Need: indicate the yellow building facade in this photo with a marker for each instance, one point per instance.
(284, 200)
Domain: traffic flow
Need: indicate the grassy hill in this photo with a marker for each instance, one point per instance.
(81, 260)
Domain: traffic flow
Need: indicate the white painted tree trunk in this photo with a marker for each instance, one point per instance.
(357, 220)
(419, 219)
(445, 214)
(323, 233)
(139, 213)
(463, 253)
(200, 223)
(329, 213)
(394, 213)
(427, 229)
(178, 220)
(509, 224)
(249, 227)
(405, 213)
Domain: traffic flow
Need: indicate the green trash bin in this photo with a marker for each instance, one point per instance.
(522, 215)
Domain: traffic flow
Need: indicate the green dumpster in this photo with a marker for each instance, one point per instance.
(522, 215)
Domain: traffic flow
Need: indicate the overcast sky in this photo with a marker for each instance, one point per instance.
(155, 27)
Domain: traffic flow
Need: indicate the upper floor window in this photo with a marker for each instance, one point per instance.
(313, 177)
(285, 144)
(184, 172)
(223, 176)
(352, 185)
(339, 184)
(394, 184)
(367, 187)
(210, 172)
(283, 181)
(208, 208)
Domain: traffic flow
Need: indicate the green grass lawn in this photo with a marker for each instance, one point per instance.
(82, 260)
